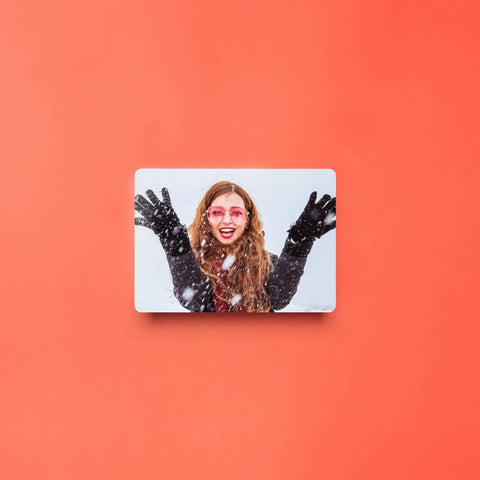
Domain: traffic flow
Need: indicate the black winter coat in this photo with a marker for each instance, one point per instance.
(194, 291)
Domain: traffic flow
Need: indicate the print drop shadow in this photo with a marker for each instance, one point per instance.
(310, 319)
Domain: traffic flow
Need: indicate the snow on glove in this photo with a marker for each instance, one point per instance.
(162, 219)
(315, 220)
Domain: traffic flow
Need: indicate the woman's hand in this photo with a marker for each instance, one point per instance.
(157, 215)
(316, 220)
(162, 219)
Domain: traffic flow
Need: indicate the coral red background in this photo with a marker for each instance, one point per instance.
(384, 93)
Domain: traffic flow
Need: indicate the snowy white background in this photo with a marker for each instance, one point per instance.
(280, 196)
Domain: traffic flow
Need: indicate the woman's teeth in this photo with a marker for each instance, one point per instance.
(227, 232)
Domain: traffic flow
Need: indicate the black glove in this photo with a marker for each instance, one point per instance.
(312, 223)
(162, 219)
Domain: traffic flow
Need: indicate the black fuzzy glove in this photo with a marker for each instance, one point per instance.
(312, 223)
(162, 219)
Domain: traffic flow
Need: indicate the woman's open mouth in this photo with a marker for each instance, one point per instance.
(227, 232)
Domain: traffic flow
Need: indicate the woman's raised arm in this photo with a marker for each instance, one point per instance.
(191, 288)
(316, 219)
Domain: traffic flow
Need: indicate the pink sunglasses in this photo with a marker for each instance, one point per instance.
(237, 214)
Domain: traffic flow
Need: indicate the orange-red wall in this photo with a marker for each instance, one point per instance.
(386, 94)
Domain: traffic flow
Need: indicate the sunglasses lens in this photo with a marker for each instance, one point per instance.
(217, 213)
(237, 214)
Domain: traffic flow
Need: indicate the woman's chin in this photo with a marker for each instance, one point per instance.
(227, 241)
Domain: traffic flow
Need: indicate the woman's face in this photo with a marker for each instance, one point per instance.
(229, 227)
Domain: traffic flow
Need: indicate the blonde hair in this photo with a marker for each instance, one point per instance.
(247, 277)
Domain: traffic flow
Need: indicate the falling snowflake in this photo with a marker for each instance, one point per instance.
(329, 218)
(228, 262)
(236, 298)
(188, 294)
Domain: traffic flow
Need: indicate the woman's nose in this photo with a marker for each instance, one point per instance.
(227, 218)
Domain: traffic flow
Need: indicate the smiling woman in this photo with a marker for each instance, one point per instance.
(224, 266)
(229, 247)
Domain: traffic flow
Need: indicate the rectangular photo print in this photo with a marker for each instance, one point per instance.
(235, 240)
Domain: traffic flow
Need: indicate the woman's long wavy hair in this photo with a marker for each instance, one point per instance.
(247, 277)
